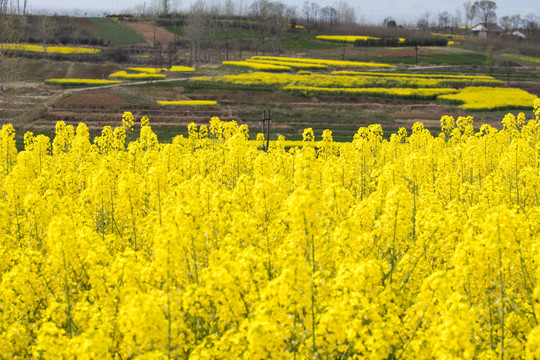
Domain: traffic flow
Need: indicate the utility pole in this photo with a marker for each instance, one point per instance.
(266, 121)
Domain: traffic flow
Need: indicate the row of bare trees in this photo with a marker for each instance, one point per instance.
(328, 16)
(209, 26)
(482, 11)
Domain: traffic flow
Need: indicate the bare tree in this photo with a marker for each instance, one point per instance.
(532, 24)
(484, 10)
(468, 13)
(444, 19)
(270, 17)
(456, 19)
(311, 13)
(11, 31)
(423, 21)
(511, 23)
(165, 6)
(329, 16)
(345, 13)
(197, 19)
(227, 12)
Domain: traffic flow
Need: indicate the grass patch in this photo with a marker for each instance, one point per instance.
(309, 45)
(180, 30)
(207, 86)
(135, 99)
(432, 59)
(454, 59)
(115, 33)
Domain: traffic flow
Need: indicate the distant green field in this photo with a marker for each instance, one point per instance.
(116, 33)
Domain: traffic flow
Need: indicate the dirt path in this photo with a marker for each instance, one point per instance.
(146, 29)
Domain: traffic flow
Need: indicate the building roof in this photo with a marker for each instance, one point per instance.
(490, 27)
(521, 33)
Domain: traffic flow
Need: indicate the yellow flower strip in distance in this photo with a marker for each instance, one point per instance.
(81, 82)
(332, 63)
(431, 76)
(256, 66)
(324, 81)
(401, 93)
(486, 98)
(140, 76)
(297, 65)
(187, 102)
(61, 50)
(147, 70)
(178, 68)
(345, 38)
(444, 80)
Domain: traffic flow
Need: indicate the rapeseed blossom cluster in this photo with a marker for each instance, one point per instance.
(415, 247)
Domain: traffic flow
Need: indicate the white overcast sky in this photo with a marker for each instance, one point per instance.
(372, 12)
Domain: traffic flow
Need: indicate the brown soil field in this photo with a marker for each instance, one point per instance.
(146, 29)
(85, 23)
(95, 99)
(34, 70)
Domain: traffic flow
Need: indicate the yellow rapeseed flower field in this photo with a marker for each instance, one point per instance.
(187, 102)
(147, 70)
(298, 65)
(368, 80)
(331, 63)
(345, 38)
(403, 93)
(137, 76)
(61, 50)
(402, 247)
(81, 82)
(486, 98)
(179, 68)
(257, 66)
